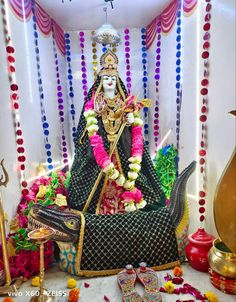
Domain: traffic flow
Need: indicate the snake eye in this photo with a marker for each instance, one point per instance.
(71, 223)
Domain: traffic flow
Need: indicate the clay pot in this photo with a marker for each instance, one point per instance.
(197, 249)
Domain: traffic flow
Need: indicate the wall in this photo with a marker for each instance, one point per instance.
(22, 39)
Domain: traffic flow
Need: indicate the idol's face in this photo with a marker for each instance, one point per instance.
(109, 83)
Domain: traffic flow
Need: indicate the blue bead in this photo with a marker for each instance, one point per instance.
(143, 37)
(178, 54)
(36, 42)
(49, 160)
(40, 81)
(37, 58)
(145, 114)
(50, 167)
(144, 55)
(35, 26)
(143, 30)
(144, 61)
(74, 129)
(36, 50)
(145, 126)
(72, 106)
(104, 49)
(49, 153)
(69, 77)
(72, 111)
(68, 53)
(35, 34)
(68, 47)
(145, 73)
(67, 35)
(74, 134)
(145, 79)
(46, 132)
(144, 42)
(69, 70)
(178, 38)
(144, 85)
(42, 96)
(178, 77)
(67, 41)
(146, 131)
(70, 83)
(145, 109)
(48, 146)
(146, 143)
(179, 22)
(178, 70)
(179, 14)
(71, 88)
(45, 125)
(177, 85)
(71, 94)
(178, 30)
(34, 18)
(178, 62)
(178, 46)
(68, 59)
(44, 118)
(144, 48)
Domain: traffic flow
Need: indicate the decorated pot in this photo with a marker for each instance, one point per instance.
(197, 249)
(222, 260)
(226, 285)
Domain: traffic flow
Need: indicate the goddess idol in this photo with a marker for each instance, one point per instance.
(111, 118)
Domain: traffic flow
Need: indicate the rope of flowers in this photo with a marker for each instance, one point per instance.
(132, 197)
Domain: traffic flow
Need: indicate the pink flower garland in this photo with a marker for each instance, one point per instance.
(137, 141)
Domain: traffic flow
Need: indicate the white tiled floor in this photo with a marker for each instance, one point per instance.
(56, 281)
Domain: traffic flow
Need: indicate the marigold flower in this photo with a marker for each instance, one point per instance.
(35, 281)
(73, 295)
(169, 287)
(177, 271)
(71, 283)
(211, 297)
(7, 299)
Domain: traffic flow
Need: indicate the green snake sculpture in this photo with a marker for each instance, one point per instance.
(93, 244)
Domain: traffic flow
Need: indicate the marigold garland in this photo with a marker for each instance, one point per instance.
(71, 283)
(74, 295)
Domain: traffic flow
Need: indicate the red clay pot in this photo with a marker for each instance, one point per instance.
(197, 249)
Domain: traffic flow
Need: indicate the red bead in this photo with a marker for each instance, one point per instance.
(202, 218)
(203, 118)
(208, 7)
(12, 68)
(202, 152)
(24, 183)
(201, 202)
(202, 144)
(202, 161)
(201, 210)
(204, 109)
(205, 54)
(20, 150)
(206, 26)
(204, 82)
(19, 141)
(204, 91)
(207, 17)
(21, 158)
(14, 87)
(206, 45)
(10, 49)
(15, 96)
(24, 192)
(22, 167)
(202, 194)
(16, 106)
(19, 132)
(11, 59)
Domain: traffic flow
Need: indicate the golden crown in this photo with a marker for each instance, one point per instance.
(109, 63)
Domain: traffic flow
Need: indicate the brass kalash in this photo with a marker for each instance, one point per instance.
(11, 285)
(222, 256)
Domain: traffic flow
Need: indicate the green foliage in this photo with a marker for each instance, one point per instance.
(165, 166)
(22, 241)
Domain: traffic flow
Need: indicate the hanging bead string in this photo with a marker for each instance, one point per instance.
(204, 109)
(10, 50)
(95, 57)
(127, 59)
(83, 64)
(178, 84)
(157, 79)
(114, 49)
(70, 84)
(145, 81)
(104, 48)
(60, 103)
(45, 124)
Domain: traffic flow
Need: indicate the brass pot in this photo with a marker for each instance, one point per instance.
(222, 260)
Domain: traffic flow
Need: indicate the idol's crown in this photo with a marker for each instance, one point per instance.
(109, 63)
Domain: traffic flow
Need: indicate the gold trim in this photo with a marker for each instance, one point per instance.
(81, 239)
(118, 160)
(116, 271)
